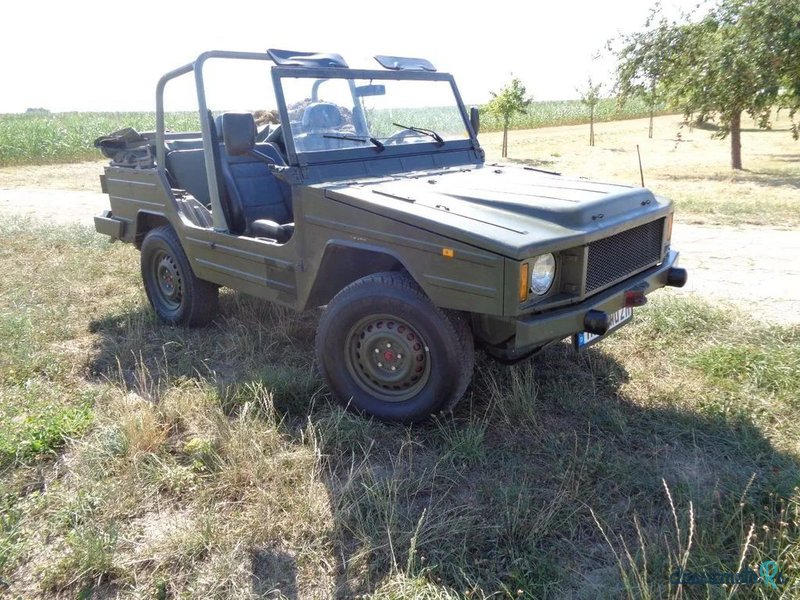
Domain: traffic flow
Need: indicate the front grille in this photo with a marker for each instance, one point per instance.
(623, 254)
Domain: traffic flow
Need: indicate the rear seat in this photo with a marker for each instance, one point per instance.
(262, 194)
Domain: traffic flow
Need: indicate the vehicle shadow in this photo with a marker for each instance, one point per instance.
(505, 494)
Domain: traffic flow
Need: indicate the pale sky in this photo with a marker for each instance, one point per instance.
(108, 55)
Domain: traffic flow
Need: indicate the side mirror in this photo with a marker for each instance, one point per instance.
(475, 119)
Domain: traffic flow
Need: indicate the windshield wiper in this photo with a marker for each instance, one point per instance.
(423, 131)
(351, 138)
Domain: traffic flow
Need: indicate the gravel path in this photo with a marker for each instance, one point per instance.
(758, 268)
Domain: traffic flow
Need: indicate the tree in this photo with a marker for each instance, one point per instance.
(512, 99)
(742, 57)
(590, 96)
(644, 57)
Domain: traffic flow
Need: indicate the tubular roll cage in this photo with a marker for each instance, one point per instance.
(217, 214)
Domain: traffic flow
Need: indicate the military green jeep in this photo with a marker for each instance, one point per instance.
(370, 196)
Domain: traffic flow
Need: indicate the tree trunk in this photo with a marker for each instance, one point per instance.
(504, 150)
(650, 129)
(591, 126)
(736, 140)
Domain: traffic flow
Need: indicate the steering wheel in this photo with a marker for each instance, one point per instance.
(398, 136)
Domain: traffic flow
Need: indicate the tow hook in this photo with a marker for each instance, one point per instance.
(677, 277)
(596, 321)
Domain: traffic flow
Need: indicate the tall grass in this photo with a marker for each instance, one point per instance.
(36, 139)
(27, 139)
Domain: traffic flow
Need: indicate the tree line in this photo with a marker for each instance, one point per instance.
(740, 57)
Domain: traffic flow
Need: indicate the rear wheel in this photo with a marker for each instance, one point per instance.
(386, 350)
(178, 297)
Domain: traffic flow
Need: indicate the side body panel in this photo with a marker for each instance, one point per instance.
(453, 274)
(141, 199)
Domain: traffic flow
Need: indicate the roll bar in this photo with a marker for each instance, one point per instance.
(217, 214)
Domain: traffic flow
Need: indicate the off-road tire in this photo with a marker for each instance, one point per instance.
(385, 320)
(177, 296)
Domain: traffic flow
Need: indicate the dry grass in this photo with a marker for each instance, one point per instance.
(686, 165)
(211, 464)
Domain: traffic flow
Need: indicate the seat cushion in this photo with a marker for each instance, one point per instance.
(259, 191)
(272, 230)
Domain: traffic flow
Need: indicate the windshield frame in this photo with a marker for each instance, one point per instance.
(368, 151)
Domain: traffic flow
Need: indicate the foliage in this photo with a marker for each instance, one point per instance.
(590, 96)
(512, 99)
(742, 56)
(644, 57)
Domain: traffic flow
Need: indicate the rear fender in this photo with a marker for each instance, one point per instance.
(145, 221)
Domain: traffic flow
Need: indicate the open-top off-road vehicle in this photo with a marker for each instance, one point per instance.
(371, 196)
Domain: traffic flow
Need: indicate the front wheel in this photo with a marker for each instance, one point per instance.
(178, 297)
(386, 350)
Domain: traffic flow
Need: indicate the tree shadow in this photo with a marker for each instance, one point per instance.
(790, 158)
(762, 177)
(500, 496)
(711, 126)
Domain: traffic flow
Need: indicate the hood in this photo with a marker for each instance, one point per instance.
(506, 209)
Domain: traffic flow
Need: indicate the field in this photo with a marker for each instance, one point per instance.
(154, 462)
(142, 461)
(684, 164)
(42, 139)
(30, 139)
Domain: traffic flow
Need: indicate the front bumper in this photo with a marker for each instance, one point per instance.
(533, 332)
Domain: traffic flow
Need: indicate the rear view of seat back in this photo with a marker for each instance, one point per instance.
(188, 171)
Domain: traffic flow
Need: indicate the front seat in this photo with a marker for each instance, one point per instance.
(263, 201)
(319, 118)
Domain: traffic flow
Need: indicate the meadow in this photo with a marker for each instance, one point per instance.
(144, 461)
(35, 139)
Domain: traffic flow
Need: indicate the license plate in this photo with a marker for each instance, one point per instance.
(616, 320)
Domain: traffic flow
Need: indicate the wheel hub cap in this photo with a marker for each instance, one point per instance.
(168, 279)
(388, 358)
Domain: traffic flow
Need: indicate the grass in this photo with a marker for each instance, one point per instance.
(687, 165)
(211, 463)
(40, 139)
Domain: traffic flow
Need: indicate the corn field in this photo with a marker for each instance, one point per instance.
(48, 138)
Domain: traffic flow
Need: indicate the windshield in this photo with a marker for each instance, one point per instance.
(340, 114)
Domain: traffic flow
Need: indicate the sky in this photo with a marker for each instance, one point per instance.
(108, 55)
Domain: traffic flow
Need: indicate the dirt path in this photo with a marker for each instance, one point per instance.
(757, 268)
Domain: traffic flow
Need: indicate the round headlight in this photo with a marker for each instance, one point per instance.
(543, 273)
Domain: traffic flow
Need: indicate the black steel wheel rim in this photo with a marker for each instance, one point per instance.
(168, 280)
(388, 358)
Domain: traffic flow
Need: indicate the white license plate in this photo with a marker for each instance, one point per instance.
(616, 320)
